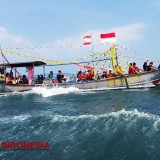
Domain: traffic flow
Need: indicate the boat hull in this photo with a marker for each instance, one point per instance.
(121, 82)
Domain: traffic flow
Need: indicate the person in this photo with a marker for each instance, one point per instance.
(97, 76)
(87, 75)
(14, 81)
(8, 78)
(135, 68)
(152, 67)
(50, 76)
(60, 77)
(104, 75)
(92, 73)
(118, 70)
(79, 72)
(19, 80)
(80, 76)
(110, 74)
(131, 69)
(11, 74)
(24, 79)
(146, 67)
(40, 79)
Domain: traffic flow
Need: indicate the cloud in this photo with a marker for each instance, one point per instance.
(131, 33)
(70, 48)
(11, 40)
(127, 33)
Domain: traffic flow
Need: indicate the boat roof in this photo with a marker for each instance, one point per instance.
(24, 64)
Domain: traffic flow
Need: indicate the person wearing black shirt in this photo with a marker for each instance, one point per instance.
(146, 67)
(60, 77)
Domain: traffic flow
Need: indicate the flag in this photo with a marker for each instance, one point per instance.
(108, 37)
(87, 40)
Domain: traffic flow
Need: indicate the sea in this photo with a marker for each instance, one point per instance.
(82, 125)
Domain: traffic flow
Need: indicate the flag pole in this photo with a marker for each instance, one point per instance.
(92, 44)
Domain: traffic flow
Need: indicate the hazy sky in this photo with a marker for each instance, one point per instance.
(63, 23)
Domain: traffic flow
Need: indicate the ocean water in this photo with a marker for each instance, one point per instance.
(79, 125)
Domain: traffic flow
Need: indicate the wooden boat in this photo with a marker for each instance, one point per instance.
(118, 82)
(129, 81)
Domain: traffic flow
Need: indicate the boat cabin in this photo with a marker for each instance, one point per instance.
(14, 72)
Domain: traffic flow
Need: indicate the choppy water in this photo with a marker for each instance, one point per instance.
(106, 125)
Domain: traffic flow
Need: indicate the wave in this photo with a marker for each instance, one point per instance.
(13, 119)
(119, 115)
(127, 114)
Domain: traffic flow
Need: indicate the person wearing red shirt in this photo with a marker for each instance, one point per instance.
(131, 69)
(87, 76)
(136, 69)
(80, 76)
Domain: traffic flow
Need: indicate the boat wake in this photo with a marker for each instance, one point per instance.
(44, 91)
(48, 92)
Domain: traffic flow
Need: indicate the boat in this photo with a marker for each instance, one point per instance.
(133, 81)
(14, 87)
(123, 81)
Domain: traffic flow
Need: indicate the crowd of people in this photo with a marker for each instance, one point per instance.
(84, 76)
(117, 71)
(19, 80)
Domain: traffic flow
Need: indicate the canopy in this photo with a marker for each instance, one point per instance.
(24, 64)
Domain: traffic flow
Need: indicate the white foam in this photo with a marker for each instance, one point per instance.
(47, 92)
(128, 115)
(15, 118)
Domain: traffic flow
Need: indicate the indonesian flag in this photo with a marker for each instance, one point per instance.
(108, 37)
(87, 40)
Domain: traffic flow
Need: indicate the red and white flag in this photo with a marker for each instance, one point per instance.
(108, 37)
(87, 40)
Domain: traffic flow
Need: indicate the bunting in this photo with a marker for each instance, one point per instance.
(34, 57)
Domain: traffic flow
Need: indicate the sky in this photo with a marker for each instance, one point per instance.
(54, 29)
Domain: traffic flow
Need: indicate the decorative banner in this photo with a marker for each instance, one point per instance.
(96, 44)
(33, 57)
(138, 53)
